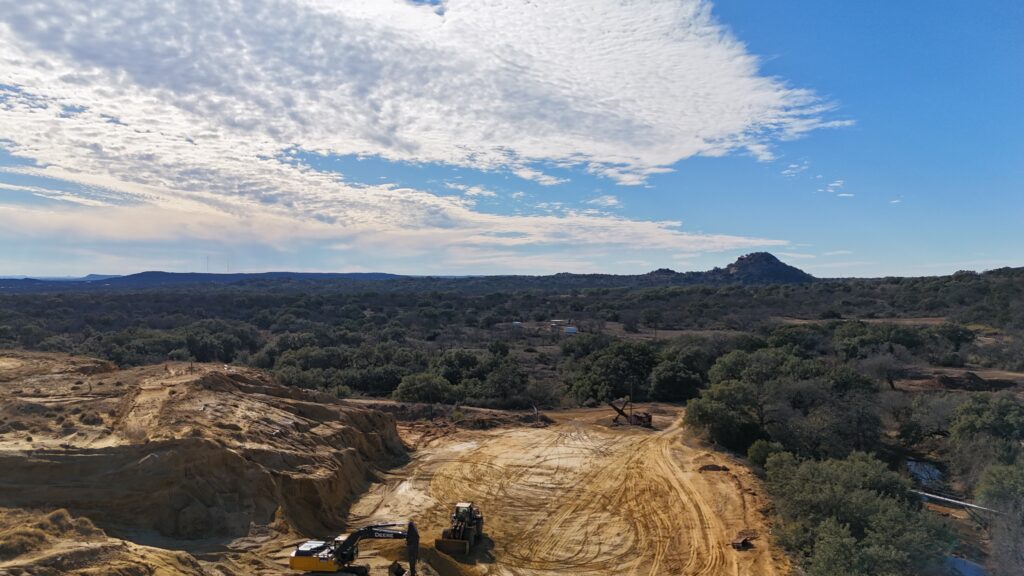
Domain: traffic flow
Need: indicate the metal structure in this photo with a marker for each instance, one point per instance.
(467, 529)
(947, 501)
(635, 418)
(337, 555)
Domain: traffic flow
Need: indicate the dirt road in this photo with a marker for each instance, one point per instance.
(580, 497)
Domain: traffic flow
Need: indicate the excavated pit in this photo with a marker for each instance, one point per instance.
(182, 457)
(218, 471)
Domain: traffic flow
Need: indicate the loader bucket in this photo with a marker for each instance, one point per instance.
(452, 546)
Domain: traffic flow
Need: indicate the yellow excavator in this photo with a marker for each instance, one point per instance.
(337, 555)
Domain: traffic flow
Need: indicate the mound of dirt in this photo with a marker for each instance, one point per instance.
(56, 543)
(713, 468)
(181, 452)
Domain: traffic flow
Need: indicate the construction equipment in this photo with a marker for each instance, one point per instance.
(337, 555)
(634, 418)
(742, 543)
(466, 530)
(744, 540)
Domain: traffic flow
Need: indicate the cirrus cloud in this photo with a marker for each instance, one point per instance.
(187, 107)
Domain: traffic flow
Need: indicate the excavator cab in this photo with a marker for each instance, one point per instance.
(463, 512)
(314, 556)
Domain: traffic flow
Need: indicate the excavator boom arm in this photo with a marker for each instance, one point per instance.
(376, 532)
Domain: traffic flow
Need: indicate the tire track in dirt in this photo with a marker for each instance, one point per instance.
(586, 499)
(706, 554)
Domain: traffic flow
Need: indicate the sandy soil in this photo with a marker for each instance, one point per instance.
(56, 543)
(581, 497)
(214, 470)
(215, 461)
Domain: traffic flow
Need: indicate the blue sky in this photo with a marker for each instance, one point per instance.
(850, 139)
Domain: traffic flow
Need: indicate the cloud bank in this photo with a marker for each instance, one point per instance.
(182, 111)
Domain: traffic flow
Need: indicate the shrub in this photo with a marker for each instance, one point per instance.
(425, 387)
(853, 517)
(761, 450)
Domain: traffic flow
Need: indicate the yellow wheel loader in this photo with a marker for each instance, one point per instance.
(467, 529)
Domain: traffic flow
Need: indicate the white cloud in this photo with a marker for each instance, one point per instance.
(478, 191)
(517, 195)
(470, 190)
(837, 187)
(625, 89)
(538, 177)
(608, 201)
(896, 201)
(624, 175)
(443, 228)
(53, 194)
(838, 253)
(182, 112)
(797, 255)
(794, 169)
(548, 206)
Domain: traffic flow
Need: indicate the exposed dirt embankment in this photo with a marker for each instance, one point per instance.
(169, 452)
(56, 543)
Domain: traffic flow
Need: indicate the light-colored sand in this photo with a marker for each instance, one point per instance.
(580, 497)
(231, 471)
(216, 461)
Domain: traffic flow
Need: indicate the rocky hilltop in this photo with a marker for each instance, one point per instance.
(759, 268)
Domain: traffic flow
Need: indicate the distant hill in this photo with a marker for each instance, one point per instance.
(756, 268)
(154, 279)
(89, 278)
(759, 268)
